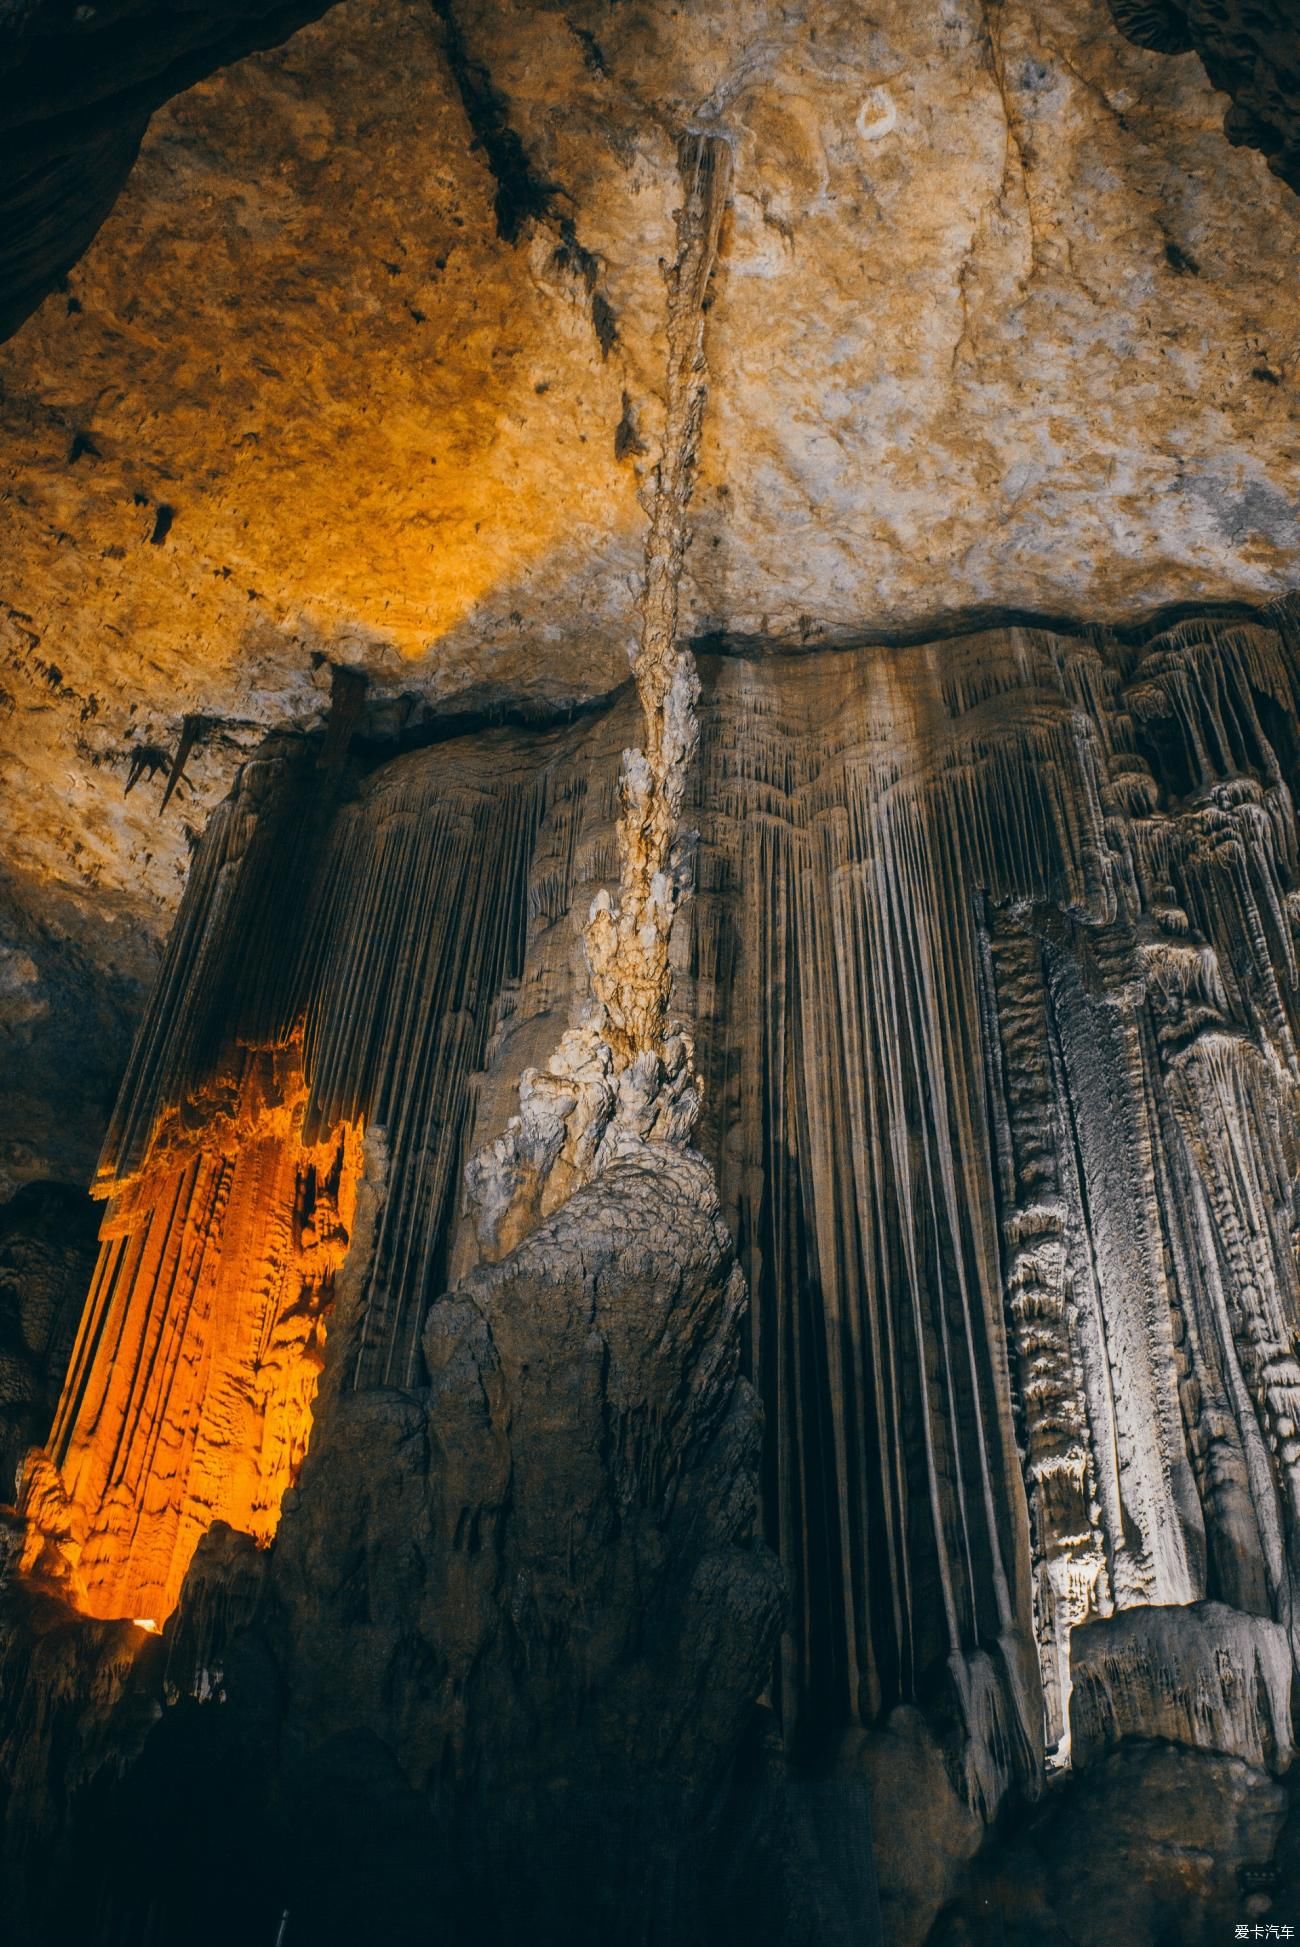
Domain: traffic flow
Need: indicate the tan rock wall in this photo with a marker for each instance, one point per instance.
(1000, 322)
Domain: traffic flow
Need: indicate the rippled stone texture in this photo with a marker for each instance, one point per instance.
(991, 975)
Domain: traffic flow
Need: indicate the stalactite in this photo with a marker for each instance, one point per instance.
(1067, 866)
(991, 971)
(628, 940)
(189, 1397)
(624, 1075)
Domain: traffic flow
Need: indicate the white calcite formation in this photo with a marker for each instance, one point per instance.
(990, 977)
(624, 1076)
(1203, 1675)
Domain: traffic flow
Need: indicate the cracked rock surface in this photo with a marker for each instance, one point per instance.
(1000, 321)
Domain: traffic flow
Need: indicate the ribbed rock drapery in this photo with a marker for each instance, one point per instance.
(991, 973)
(333, 966)
(995, 975)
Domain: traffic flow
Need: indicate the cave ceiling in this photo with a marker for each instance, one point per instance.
(365, 369)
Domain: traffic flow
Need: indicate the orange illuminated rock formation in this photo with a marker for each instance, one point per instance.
(189, 1397)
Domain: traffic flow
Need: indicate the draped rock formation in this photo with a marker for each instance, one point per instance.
(190, 1389)
(991, 978)
(1006, 1141)
(520, 1560)
(694, 1337)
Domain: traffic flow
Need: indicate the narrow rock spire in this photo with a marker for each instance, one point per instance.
(626, 1075)
(627, 942)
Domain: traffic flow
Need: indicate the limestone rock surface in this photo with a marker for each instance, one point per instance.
(1000, 322)
(540, 1584)
(1156, 1844)
(1157, 1838)
(1250, 48)
(503, 1652)
(1201, 1675)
